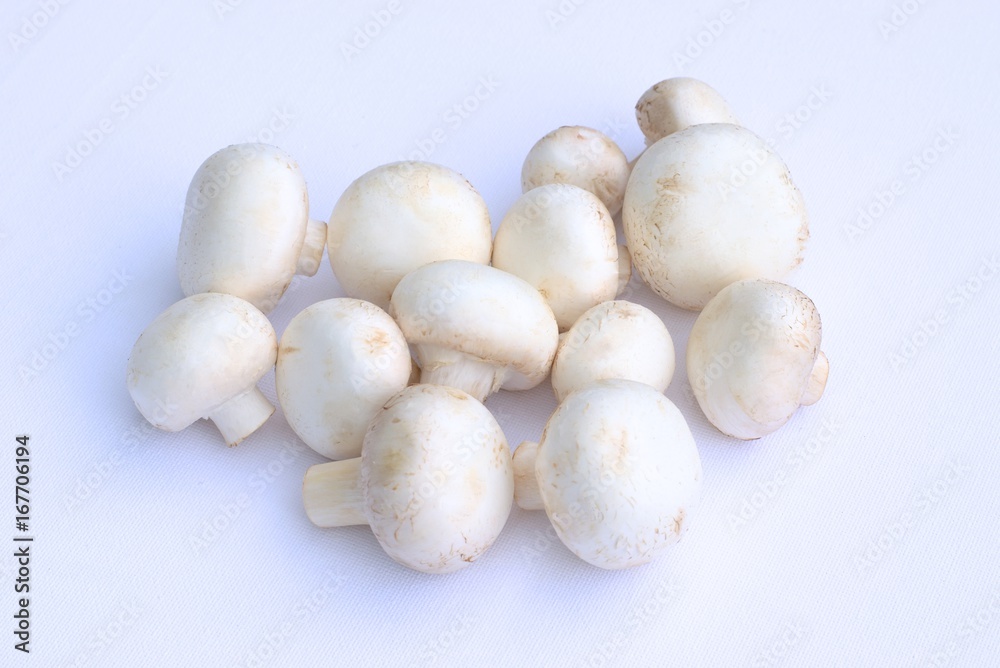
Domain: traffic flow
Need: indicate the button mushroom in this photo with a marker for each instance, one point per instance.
(399, 217)
(202, 358)
(339, 361)
(561, 240)
(754, 357)
(434, 480)
(675, 104)
(246, 228)
(616, 470)
(708, 206)
(616, 339)
(475, 327)
(582, 157)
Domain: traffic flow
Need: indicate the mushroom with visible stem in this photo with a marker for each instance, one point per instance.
(708, 206)
(616, 339)
(434, 480)
(582, 157)
(399, 217)
(616, 470)
(754, 357)
(561, 240)
(202, 358)
(246, 229)
(678, 103)
(339, 361)
(475, 327)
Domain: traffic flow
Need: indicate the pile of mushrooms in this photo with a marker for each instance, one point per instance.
(388, 381)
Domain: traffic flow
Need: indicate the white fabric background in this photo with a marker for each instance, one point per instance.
(116, 580)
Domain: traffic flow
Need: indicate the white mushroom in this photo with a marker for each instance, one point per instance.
(246, 229)
(616, 470)
(339, 361)
(399, 217)
(202, 358)
(434, 480)
(475, 327)
(561, 240)
(708, 206)
(616, 339)
(675, 104)
(754, 357)
(582, 157)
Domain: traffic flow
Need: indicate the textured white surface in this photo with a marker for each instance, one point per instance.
(905, 457)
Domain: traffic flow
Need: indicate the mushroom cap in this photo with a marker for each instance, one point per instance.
(618, 472)
(750, 356)
(678, 103)
(436, 477)
(561, 240)
(198, 354)
(244, 225)
(339, 361)
(582, 157)
(708, 206)
(401, 216)
(479, 311)
(616, 339)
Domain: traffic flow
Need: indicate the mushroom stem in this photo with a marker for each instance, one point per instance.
(440, 366)
(242, 415)
(414, 375)
(817, 380)
(312, 248)
(526, 492)
(332, 496)
(624, 268)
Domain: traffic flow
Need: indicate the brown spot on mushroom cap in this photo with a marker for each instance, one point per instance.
(671, 185)
(679, 521)
(376, 339)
